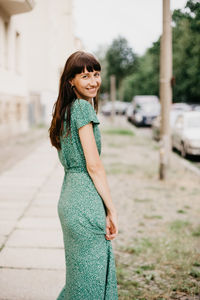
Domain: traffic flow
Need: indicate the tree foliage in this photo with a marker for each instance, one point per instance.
(140, 75)
(186, 53)
(146, 79)
(120, 59)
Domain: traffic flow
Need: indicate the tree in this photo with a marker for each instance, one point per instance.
(101, 55)
(146, 79)
(186, 53)
(186, 60)
(121, 60)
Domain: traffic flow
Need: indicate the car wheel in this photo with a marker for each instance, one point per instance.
(183, 150)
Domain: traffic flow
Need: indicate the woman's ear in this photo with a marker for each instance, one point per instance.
(71, 82)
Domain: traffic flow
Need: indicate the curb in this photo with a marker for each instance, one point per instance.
(187, 164)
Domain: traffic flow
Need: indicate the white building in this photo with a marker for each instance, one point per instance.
(13, 86)
(49, 33)
(36, 37)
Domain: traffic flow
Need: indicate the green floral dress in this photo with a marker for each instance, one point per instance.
(89, 257)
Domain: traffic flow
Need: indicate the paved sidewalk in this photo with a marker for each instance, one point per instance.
(32, 256)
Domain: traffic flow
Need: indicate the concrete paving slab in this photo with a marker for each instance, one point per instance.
(4, 190)
(11, 205)
(32, 258)
(33, 266)
(38, 223)
(21, 284)
(51, 202)
(47, 195)
(36, 238)
(2, 240)
(8, 214)
(52, 199)
(17, 194)
(23, 182)
(11, 210)
(35, 211)
(6, 226)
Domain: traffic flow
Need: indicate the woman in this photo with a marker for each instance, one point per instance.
(87, 214)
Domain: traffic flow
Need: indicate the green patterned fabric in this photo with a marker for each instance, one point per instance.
(89, 257)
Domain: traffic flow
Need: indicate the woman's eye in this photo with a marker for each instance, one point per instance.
(84, 76)
(97, 74)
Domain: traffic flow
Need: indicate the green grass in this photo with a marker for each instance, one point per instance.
(187, 207)
(118, 131)
(116, 145)
(143, 200)
(195, 273)
(181, 211)
(160, 267)
(179, 225)
(182, 188)
(155, 147)
(196, 232)
(120, 168)
(152, 217)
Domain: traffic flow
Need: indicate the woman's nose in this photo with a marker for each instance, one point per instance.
(93, 81)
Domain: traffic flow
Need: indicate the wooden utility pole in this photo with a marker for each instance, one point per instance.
(165, 89)
(113, 94)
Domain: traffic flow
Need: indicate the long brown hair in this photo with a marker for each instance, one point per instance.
(75, 64)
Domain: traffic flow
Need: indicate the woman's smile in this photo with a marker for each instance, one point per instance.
(92, 89)
(87, 84)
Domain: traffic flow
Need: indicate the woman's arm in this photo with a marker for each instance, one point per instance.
(94, 165)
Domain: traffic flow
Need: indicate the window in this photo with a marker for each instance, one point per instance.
(17, 52)
(5, 54)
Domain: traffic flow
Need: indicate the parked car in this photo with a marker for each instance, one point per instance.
(195, 107)
(186, 133)
(176, 109)
(181, 106)
(106, 109)
(120, 107)
(129, 112)
(157, 123)
(145, 109)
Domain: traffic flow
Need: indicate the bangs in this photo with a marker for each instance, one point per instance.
(84, 61)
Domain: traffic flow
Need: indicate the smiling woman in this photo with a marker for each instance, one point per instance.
(87, 214)
(86, 84)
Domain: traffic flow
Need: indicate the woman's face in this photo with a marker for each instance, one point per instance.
(86, 84)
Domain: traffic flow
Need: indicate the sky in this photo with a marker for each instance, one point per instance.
(98, 22)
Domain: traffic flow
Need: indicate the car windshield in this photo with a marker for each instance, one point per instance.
(193, 122)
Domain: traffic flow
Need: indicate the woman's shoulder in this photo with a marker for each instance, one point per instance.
(83, 112)
(81, 105)
(82, 102)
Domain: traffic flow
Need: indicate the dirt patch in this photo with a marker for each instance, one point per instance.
(158, 245)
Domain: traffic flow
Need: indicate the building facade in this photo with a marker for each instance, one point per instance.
(13, 87)
(36, 37)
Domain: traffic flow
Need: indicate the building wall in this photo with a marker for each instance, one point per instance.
(13, 83)
(33, 49)
(50, 37)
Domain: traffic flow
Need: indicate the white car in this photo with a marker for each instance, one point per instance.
(181, 106)
(156, 134)
(186, 133)
(129, 112)
(145, 109)
(119, 107)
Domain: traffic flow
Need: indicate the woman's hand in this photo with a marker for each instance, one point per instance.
(111, 226)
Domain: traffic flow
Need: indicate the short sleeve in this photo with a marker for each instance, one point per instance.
(84, 113)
